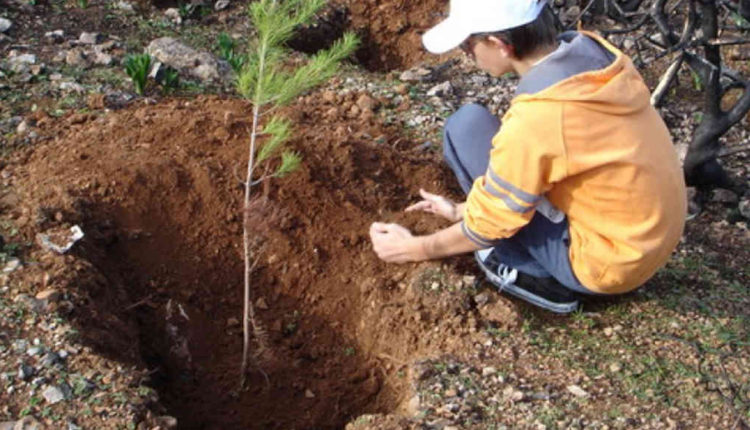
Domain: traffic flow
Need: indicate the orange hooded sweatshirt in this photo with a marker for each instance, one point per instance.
(593, 145)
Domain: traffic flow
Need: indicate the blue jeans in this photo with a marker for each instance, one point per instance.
(538, 249)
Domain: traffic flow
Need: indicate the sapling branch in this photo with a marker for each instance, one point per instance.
(268, 83)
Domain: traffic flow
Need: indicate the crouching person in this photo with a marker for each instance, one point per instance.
(578, 192)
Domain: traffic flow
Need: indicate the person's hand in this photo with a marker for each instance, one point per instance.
(437, 205)
(395, 244)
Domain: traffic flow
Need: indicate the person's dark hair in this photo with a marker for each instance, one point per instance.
(527, 39)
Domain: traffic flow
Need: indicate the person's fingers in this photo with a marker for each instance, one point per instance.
(428, 196)
(420, 206)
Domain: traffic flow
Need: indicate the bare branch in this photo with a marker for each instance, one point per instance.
(666, 80)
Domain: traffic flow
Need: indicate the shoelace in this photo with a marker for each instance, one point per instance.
(507, 274)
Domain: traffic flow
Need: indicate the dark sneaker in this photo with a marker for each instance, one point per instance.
(546, 293)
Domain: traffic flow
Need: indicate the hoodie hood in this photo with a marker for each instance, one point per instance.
(587, 69)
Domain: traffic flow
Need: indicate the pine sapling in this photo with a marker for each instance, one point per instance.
(269, 83)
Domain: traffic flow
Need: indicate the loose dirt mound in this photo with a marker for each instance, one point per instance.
(155, 190)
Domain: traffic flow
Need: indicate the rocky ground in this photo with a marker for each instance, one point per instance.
(673, 355)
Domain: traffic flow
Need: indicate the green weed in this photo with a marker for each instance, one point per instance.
(137, 67)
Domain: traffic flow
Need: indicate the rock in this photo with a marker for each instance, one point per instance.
(5, 25)
(167, 422)
(309, 394)
(615, 367)
(72, 87)
(27, 423)
(442, 89)
(744, 207)
(76, 58)
(412, 406)
(173, 14)
(416, 75)
(488, 371)
(57, 36)
(608, 331)
(34, 350)
(14, 263)
(450, 392)
(51, 295)
(721, 195)
(73, 426)
(261, 303)
(481, 299)
(577, 391)
(366, 102)
(102, 59)
(50, 359)
(201, 65)
(53, 394)
(221, 4)
(123, 5)
(90, 38)
(25, 372)
(20, 63)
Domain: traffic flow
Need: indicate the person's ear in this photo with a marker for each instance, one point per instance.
(505, 49)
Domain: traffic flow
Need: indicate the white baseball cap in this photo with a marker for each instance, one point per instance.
(468, 17)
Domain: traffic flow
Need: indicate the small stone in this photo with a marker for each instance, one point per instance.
(123, 5)
(489, 371)
(366, 102)
(328, 97)
(5, 25)
(53, 395)
(51, 295)
(442, 89)
(57, 36)
(102, 59)
(608, 331)
(173, 14)
(50, 359)
(401, 89)
(744, 208)
(221, 4)
(517, 395)
(90, 38)
(22, 128)
(167, 422)
(27, 423)
(615, 367)
(721, 195)
(415, 75)
(34, 350)
(469, 280)
(577, 391)
(450, 393)
(412, 407)
(37, 69)
(76, 58)
(72, 87)
(481, 299)
(450, 428)
(25, 372)
(261, 303)
(73, 426)
(309, 394)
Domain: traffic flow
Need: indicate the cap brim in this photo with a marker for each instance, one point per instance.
(444, 37)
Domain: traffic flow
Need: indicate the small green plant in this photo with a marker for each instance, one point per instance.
(83, 4)
(227, 47)
(269, 82)
(170, 79)
(137, 67)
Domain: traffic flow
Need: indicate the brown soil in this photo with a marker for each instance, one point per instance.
(392, 30)
(155, 189)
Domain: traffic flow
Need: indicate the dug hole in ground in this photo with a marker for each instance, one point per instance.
(157, 191)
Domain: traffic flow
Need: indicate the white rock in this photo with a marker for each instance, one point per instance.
(309, 394)
(52, 394)
(415, 75)
(577, 391)
(103, 59)
(56, 36)
(202, 65)
(123, 5)
(489, 371)
(744, 207)
(89, 38)
(14, 263)
(5, 25)
(441, 89)
(221, 4)
(173, 14)
(73, 87)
